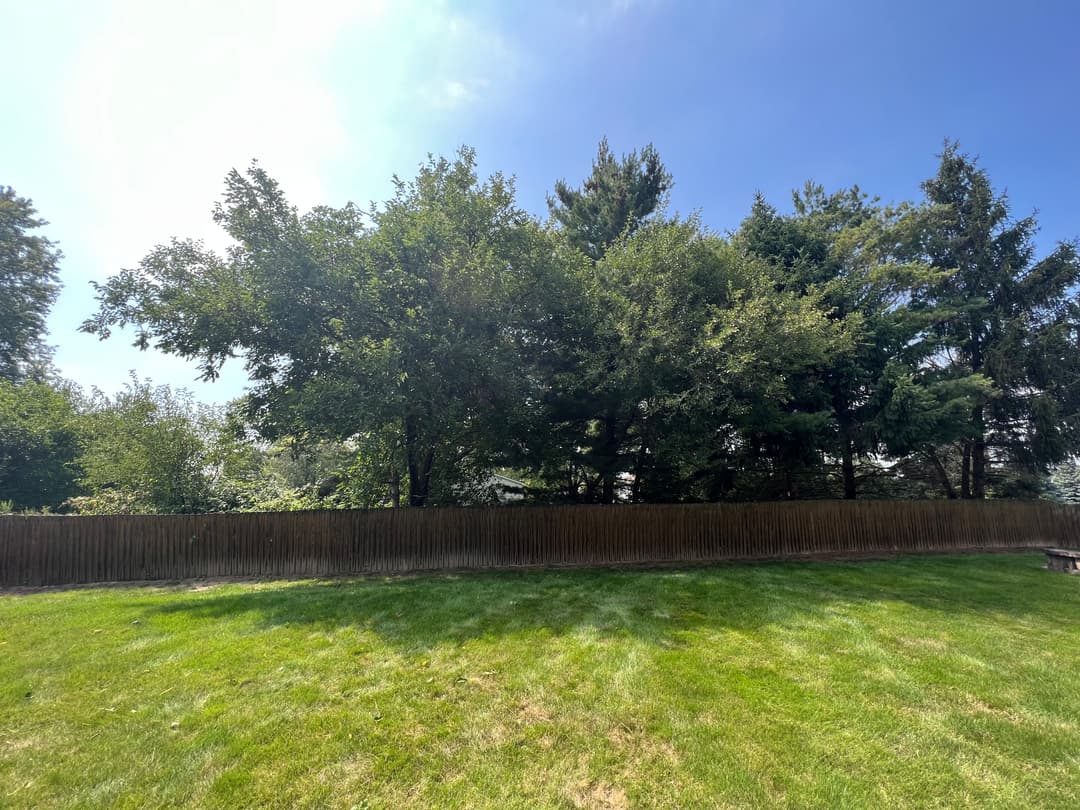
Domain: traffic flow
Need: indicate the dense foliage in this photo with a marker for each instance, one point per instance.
(29, 284)
(616, 352)
(40, 444)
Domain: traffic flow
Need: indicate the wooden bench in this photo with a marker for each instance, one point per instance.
(1063, 559)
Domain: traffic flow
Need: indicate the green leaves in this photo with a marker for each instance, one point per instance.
(351, 324)
(29, 284)
(616, 353)
(40, 444)
(146, 451)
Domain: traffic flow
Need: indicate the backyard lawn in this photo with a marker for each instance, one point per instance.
(919, 682)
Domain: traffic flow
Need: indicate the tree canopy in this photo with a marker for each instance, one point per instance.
(397, 329)
(29, 284)
(618, 352)
(616, 199)
(40, 444)
(1006, 315)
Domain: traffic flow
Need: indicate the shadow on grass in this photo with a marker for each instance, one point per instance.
(655, 606)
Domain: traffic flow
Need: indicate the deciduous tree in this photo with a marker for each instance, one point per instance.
(400, 325)
(40, 444)
(145, 451)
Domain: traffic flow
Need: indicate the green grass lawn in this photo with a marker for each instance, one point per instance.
(920, 682)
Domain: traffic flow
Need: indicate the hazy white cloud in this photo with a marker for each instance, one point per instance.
(465, 61)
(449, 94)
(162, 99)
(593, 13)
(166, 97)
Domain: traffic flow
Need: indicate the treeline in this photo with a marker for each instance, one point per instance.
(618, 352)
(150, 450)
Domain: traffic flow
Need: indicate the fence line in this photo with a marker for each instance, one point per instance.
(58, 550)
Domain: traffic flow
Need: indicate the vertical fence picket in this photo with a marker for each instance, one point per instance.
(50, 550)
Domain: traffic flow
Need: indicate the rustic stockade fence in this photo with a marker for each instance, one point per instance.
(60, 550)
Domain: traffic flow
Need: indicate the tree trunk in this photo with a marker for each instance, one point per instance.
(395, 488)
(608, 495)
(610, 452)
(847, 463)
(943, 476)
(977, 448)
(419, 484)
(789, 483)
(847, 445)
(417, 488)
(639, 464)
(965, 471)
(419, 464)
(978, 469)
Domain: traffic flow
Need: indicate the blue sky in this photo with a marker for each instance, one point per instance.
(121, 117)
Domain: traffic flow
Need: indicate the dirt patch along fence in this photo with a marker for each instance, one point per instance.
(60, 550)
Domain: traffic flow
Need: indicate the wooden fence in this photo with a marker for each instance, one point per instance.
(46, 550)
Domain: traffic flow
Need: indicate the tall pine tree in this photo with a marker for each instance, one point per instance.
(617, 197)
(1009, 316)
(615, 200)
(28, 287)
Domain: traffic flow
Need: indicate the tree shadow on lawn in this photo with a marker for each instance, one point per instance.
(655, 606)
